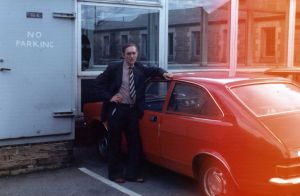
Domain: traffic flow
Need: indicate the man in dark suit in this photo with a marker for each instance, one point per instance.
(121, 87)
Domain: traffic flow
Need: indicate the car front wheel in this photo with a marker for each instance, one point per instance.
(99, 134)
(214, 180)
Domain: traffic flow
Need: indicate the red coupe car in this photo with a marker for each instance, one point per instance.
(234, 134)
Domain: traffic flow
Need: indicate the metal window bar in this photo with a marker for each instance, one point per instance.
(233, 37)
(291, 34)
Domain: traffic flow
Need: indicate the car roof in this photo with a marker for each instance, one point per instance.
(224, 78)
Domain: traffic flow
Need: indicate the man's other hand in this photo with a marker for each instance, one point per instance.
(116, 98)
(168, 76)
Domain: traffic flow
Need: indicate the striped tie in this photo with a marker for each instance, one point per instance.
(131, 84)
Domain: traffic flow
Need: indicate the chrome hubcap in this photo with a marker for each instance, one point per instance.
(102, 146)
(214, 182)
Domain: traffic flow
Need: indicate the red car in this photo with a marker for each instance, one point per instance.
(233, 134)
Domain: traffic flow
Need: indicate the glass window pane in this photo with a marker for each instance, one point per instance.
(262, 33)
(198, 34)
(106, 29)
(297, 35)
(155, 95)
(193, 100)
(269, 99)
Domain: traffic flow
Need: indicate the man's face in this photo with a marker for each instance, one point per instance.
(130, 55)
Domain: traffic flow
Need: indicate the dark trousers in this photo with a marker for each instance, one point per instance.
(124, 119)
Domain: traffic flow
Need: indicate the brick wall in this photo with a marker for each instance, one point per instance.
(35, 157)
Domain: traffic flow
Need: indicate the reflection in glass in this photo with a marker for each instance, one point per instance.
(198, 34)
(106, 29)
(262, 33)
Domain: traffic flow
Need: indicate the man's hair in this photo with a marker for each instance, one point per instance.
(127, 46)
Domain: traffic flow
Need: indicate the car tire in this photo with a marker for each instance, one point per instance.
(215, 180)
(98, 133)
(102, 146)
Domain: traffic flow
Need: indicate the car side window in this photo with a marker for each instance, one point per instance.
(156, 92)
(194, 100)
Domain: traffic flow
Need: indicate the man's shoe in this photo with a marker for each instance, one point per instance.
(139, 179)
(119, 180)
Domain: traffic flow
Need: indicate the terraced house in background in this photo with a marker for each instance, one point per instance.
(51, 51)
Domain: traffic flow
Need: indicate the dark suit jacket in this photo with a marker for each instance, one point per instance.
(109, 82)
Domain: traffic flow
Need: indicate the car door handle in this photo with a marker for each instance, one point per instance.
(4, 69)
(153, 118)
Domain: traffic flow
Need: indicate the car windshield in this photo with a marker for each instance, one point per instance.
(269, 99)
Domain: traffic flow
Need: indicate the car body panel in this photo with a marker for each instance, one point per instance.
(92, 111)
(149, 131)
(182, 137)
(286, 128)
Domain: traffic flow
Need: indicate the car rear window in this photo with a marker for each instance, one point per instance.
(269, 98)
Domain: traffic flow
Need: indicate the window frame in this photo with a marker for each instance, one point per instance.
(196, 43)
(144, 51)
(143, 1)
(128, 2)
(126, 36)
(137, 5)
(106, 46)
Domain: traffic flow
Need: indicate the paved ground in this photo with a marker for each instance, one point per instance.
(87, 177)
